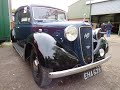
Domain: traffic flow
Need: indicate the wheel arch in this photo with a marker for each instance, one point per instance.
(28, 48)
(46, 47)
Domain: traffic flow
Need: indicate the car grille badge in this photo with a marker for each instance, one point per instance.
(88, 47)
(87, 35)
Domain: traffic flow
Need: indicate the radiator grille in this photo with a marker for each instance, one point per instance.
(86, 44)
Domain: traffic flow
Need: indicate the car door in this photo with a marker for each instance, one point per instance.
(23, 24)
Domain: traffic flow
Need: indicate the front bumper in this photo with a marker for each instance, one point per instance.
(78, 69)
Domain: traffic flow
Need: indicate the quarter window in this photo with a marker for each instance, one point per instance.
(23, 16)
(17, 18)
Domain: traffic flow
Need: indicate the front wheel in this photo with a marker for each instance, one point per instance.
(40, 73)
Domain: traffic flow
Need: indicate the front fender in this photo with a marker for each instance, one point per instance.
(53, 55)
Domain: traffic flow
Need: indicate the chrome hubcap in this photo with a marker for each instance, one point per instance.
(36, 62)
(36, 65)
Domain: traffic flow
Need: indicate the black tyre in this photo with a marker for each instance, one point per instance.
(12, 37)
(39, 72)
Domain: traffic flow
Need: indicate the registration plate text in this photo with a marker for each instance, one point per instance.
(92, 72)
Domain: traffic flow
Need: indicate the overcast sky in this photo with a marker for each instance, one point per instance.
(62, 4)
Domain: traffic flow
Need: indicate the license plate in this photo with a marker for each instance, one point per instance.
(92, 72)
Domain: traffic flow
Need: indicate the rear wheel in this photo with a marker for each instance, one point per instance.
(12, 37)
(39, 72)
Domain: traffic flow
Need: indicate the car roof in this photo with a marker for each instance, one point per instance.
(35, 5)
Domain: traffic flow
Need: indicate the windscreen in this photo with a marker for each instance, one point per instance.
(47, 13)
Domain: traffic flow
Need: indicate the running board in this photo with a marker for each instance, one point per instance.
(19, 49)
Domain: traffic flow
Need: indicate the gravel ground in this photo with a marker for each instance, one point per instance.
(15, 74)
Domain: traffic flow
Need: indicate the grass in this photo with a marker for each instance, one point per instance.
(5, 44)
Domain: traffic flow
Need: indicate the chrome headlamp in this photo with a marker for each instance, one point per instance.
(71, 33)
(97, 33)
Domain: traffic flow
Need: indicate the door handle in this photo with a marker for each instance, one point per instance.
(17, 27)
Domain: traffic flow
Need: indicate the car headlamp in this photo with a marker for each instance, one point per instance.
(71, 33)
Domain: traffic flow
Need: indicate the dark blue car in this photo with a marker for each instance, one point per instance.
(55, 47)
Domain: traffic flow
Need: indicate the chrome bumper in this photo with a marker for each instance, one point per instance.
(78, 69)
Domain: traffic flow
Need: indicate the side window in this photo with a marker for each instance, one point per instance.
(24, 16)
(17, 18)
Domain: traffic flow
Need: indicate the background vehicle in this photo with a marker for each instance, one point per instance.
(56, 47)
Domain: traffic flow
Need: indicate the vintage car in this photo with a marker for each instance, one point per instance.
(55, 47)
